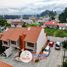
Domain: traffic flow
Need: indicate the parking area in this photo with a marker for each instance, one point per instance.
(53, 60)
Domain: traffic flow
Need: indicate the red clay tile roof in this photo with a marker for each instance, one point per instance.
(2, 64)
(62, 24)
(14, 34)
(32, 34)
(51, 23)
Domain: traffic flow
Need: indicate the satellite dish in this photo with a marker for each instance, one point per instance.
(26, 56)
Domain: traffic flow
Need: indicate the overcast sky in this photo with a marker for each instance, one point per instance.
(30, 6)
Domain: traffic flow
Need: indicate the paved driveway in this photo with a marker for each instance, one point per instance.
(54, 60)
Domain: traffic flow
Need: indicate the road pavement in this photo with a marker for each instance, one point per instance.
(54, 59)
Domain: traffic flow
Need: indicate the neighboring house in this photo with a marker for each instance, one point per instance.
(42, 20)
(2, 64)
(27, 21)
(32, 38)
(62, 26)
(55, 24)
(51, 24)
(16, 23)
(19, 22)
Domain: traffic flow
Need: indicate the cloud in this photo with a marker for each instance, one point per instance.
(30, 6)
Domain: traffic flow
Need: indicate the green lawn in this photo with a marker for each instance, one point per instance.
(56, 32)
(34, 24)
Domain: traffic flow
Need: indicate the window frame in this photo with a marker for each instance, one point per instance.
(30, 44)
(13, 42)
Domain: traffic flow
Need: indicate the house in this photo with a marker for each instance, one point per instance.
(51, 24)
(62, 26)
(32, 38)
(2, 64)
(27, 21)
(43, 19)
(16, 23)
(19, 22)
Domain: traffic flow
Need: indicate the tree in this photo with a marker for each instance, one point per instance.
(63, 16)
(64, 44)
(3, 22)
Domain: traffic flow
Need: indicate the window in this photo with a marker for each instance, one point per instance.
(13, 42)
(5, 42)
(30, 44)
(57, 45)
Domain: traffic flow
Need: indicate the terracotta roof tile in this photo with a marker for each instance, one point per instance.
(61, 24)
(32, 34)
(2, 64)
(51, 23)
(14, 33)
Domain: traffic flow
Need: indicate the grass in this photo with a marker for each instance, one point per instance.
(50, 32)
(34, 24)
(56, 32)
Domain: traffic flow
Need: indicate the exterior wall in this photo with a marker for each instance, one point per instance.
(9, 44)
(15, 45)
(12, 25)
(19, 25)
(62, 28)
(52, 26)
(41, 41)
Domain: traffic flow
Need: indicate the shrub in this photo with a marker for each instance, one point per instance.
(59, 33)
(64, 64)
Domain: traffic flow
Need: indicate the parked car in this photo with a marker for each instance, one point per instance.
(57, 45)
(46, 51)
(51, 43)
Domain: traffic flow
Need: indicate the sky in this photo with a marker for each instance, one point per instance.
(30, 6)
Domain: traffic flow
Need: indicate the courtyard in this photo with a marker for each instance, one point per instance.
(53, 60)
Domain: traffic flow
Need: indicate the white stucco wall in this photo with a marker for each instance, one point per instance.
(12, 25)
(15, 45)
(6, 45)
(41, 41)
(62, 28)
(19, 25)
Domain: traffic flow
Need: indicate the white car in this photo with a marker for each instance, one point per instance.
(57, 45)
(46, 51)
